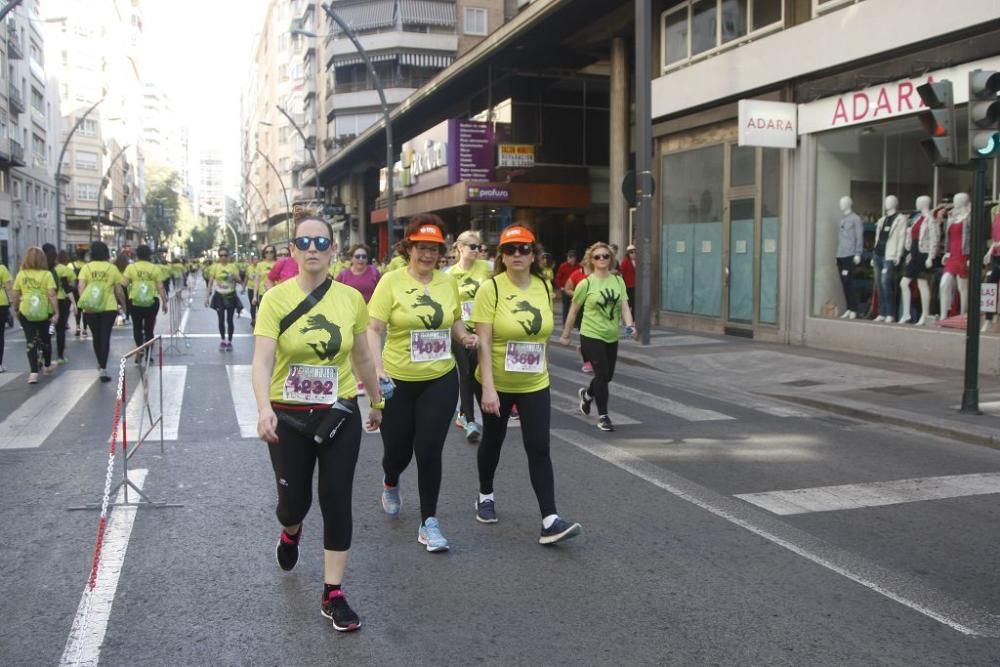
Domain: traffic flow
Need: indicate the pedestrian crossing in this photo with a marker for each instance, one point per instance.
(33, 421)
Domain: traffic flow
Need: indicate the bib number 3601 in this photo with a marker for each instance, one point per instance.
(311, 384)
(524, 357)
(434, 345)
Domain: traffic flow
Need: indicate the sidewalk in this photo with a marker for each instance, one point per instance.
(923, 398)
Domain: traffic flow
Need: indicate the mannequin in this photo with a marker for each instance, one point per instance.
(890, 236)
(849, 246)
(956, 256)
(992, 259)
(921, 243)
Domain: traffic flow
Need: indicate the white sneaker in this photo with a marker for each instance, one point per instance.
(890, 319)
(852, 315)
(846, 314)
(880, 318)
(32, 378)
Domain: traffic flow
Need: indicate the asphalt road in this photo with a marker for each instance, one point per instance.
(673, 567)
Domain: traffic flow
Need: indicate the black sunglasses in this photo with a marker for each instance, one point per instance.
(474, 246)
(223, 254)
(517, 249)
(360, 256)
(601, 256)
(269, 252)
(321, 242)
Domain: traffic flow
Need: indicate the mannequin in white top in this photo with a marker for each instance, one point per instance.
(890, 234)
(850, 243)
(921, 244)
(956, 256)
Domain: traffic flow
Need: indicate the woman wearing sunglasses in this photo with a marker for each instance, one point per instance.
(605, 303)
(470, 271)
(284, 268)
(360, 275)
(419, 311)
(222, 278)
(257, 282)
(513, 317)
(303, 370)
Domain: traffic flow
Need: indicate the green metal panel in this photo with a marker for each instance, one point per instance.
(770, 229)
(678, 278)
(707, 269)
(741, 252)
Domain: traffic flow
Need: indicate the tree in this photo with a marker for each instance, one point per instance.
(162, 202)
(203, 237)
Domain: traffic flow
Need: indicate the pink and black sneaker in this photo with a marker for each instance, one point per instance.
(336, 609)
(287, 551)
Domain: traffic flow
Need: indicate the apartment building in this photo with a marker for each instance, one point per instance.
(211, 202)
(165, 137)
(96, 55)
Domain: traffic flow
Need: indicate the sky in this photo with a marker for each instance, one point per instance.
(200, 52)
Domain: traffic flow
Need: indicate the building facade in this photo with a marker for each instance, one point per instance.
(165, 137)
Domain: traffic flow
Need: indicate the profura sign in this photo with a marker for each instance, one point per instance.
(768, 124)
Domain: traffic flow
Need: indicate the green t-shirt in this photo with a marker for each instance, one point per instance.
(225, 276)
(108, 276)
(34, 286)
(64, 271)
(522, 323)
(601, 299)
(396, 262)
(143, 282)
(4, 279)
(418, 319)
(314, 344)
(260, 275)
(468, 284)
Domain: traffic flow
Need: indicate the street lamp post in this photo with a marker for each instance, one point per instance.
(62, 154)
(281, 182)
(643, 166)
(390, 161)
(305, 142)
(104, 184)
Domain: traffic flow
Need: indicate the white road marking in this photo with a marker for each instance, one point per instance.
(8, 376)
(876, 494)
(184, 320)
(83, 647)
(895, 586)
(645, 399)
(241, 389)
(39, 416)
(569, 405)
(174, 378)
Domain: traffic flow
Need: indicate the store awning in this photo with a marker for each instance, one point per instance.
(427, 12)
(438, 60)
(366, 15)
(354, 59)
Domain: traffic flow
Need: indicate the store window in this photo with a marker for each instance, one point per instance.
(695, 28)
(868, 164)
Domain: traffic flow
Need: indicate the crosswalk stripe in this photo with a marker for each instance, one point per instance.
(174, 378)
(241, 389)
(36, 418)
(876, 494)
(645, 399)
(567, 404)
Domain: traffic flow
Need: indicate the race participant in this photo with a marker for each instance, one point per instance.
(122, 262)
(147, 294)
(605, 303)
(259, 279)
(574, 278)
(513, 318)
(65, 278)
(360, 274)
(222, 278)
(470, 271)
(6, 292)
(397, 261)
(78, 264)
(419, 309)
(101, 295)
(310, 335)
(284, 268)
(35, 303)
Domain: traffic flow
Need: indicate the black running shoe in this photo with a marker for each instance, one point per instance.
(336, 609)
(604, 423)
(287, 551)
(585, 401)
(559, 530)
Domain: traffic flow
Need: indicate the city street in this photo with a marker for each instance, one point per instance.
(688, 555)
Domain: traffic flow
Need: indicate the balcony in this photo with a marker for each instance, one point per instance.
(366, 98)
(14, 50)
(342, 49)
(16, 102)
(310, 87)
(16, 154)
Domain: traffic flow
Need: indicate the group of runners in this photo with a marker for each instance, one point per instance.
(48, 287)
(421, 340)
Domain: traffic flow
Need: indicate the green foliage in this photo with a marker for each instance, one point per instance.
(204, 237)
(163, 202)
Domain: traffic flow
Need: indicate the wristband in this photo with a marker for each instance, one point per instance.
(379, 405)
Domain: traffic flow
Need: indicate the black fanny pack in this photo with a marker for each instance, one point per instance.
(320, 424)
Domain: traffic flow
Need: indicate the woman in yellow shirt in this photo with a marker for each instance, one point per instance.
(6, 292)
(417, 307)
(310, 337)
(147, 292)
(35, 303)
(101, 297)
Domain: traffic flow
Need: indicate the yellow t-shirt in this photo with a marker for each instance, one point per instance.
(320, 339)
(4, 279)
(468, 284)
(337, 267)
(106, 274)
(524, 319)
(260, 275)
(34, 286)
(396, 262)
(143, 282)
(225, 276)
(64, 271)
(420, 314)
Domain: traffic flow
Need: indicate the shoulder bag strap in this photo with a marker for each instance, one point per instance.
(305, 306)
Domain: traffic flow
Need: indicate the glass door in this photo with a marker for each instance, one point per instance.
(740, 273)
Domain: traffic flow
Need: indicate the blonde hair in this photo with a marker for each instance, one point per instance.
(588, 261)
(34, 259)
(468, 236)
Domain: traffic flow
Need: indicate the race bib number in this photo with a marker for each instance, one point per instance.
(430, 345)
(467, 310)
(311, 384)
(524, 358)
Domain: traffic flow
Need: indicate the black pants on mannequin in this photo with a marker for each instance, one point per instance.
(845, 267)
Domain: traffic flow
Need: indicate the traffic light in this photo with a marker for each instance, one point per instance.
(984, 114)
(939, 122)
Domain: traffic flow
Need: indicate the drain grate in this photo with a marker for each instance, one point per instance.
(802, 383)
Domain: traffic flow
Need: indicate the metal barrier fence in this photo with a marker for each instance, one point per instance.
(180, 300)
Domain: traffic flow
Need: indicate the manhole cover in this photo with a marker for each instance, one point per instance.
(898, 390)
(802, 383)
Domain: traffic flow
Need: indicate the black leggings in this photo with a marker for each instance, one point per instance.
(294, 457)
(415, 422)
(467, 360)
(144, 322)
(226, 311)
(4, 314)
(36, 338)
(61, 325)
(253, 306)
(535, 410)
(77, 312)
(100, 325)
(603, 357)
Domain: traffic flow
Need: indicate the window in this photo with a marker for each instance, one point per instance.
(88, 128)
(37, 100)
(38, 146)
(15, 189)
(86, 160)
(693, 28)
(476, 21)
(86, 192)
(822, 6)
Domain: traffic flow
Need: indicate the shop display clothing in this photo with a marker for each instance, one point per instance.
(850, 238)
(921, 240)
(956, 263)
(845, 267)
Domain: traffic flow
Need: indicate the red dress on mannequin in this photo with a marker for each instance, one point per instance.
(957, 263)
